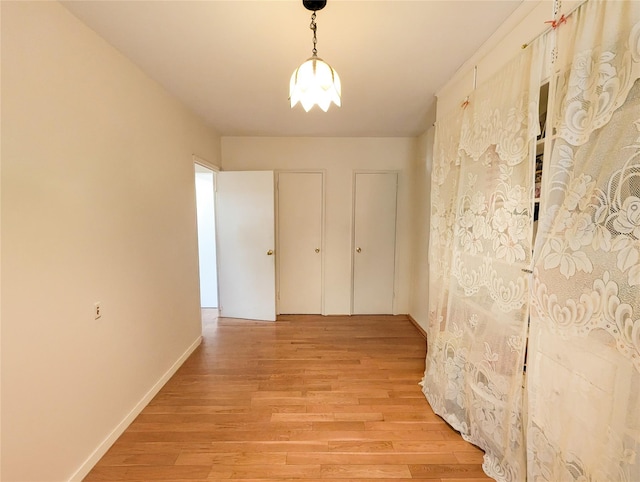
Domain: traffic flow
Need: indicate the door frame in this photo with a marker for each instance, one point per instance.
(199, 161)
(353, 234)
(322, 172)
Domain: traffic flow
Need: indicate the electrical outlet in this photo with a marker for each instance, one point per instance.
(97, 310)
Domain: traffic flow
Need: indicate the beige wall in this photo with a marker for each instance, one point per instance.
(420, 175)
(98, 204)
(524, 25)
(339, 157)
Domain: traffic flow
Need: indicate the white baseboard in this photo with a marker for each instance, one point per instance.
(97, 454)
(418, 326)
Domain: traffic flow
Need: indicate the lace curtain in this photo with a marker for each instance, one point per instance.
(481, 232)
(584, 349)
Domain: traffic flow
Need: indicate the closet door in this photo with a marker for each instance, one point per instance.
(300, 213)
(374, 237)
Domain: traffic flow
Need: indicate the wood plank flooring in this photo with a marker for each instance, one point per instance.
(309, 398)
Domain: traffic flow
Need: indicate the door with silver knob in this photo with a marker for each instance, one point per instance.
(374, 239)
(299, 231)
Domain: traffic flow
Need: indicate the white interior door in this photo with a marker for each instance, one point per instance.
(374, 242)
(245, 230)
(300, 199)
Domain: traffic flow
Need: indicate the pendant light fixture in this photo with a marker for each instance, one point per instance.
(314, 82)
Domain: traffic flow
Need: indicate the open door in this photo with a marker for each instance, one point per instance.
(245, 232)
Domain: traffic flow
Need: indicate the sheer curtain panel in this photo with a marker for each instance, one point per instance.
(481, 230)
(584, 350)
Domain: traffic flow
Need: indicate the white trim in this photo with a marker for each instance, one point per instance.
(323, 241)
(203, 162)
(276, 234)
(396, 251)
(353, 237)
(97, 454)
(215, 232)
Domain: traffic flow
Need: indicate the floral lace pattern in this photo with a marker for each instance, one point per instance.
(506, 127)
(573, 468)
(595, 224)
(481, 228)
(584, 351)
(597, 84)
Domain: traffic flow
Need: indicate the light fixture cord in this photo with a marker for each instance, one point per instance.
(314, 28)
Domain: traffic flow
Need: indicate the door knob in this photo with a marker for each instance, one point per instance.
(270, 252)
(358, 250)
(317, 250)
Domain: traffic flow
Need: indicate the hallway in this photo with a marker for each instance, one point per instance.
(305, 398)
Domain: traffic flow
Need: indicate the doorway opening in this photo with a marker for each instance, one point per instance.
(207, 252)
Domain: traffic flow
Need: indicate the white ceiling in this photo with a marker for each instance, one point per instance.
(230, 60)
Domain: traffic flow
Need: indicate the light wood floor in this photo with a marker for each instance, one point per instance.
(306, 398)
